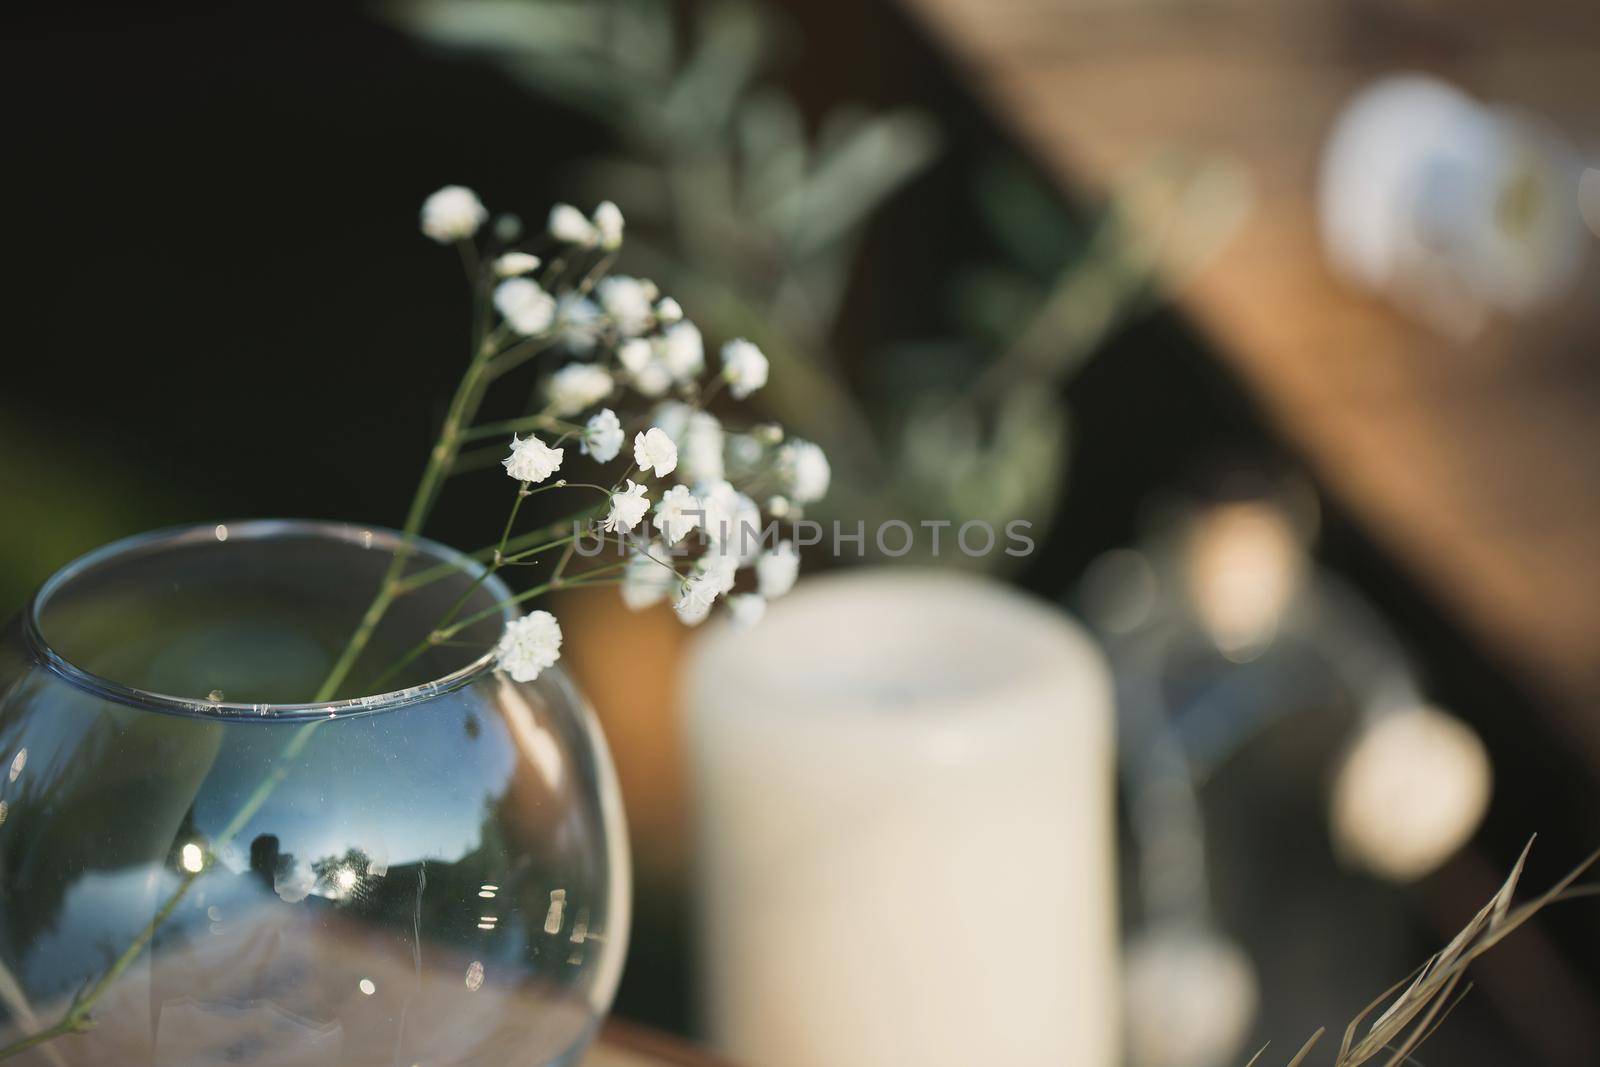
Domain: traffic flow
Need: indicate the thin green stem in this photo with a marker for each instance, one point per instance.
(527, 422)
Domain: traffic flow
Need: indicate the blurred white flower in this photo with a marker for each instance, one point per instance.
(627, 302)
(635, 354)
(577, 386)
(531, 460)
(732, 521)
(654, 380)
(627, 509)
(678, 513)
(700, 592)
(454, 213)
(1409, 792)
(668, 311)
(568, 224)
(683, 350)
(746, 609)
(648, 577)
(654, 451)
(701, 451)
(717, 503)
(719, 572)
(602, 436)
(778, 506)
(744, 366)
(529, 309)
(578, 319)
(805, 471)
(777, 570)
(1189, 998)
(529, 645)
(645, 369)
(608, 224)
(514, 263)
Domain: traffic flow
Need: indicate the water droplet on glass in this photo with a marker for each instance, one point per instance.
(222, 532)
(19, 762)
(215, 696)
(474, 976)
(5, 809)
(366, 985)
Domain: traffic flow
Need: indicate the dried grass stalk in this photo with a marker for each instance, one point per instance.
(1430, 992)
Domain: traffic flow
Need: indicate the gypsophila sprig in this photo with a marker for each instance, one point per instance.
(589, 355)
(598, 349)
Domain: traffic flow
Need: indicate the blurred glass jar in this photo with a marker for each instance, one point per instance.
(434, 875)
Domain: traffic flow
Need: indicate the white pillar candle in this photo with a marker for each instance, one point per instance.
(903, 790)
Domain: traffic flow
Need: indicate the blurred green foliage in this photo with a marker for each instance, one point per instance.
(754, 223)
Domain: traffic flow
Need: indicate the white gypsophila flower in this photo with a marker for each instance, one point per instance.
(743, 452)
(578, 322)
(701, 448)
(607, 221)
(602, 436)
(653, 380)
(805, 471)
(646, 371)
(744, 366)
(678, 513)
(693, 605)
(513, 264)
(717, 503)
(529, 645)
(746, 539)
(577, 386)
(778, 506)
(531, 460)
(627, 302)
(777, 570)
(732, 521)
(635, 354)
(454, 213)
(682, 349)
(568, 224)
(668, 311)
(627, 509)
(527, 308)
(720, 572)
(654, 451)
(746, 609)
(647, 577)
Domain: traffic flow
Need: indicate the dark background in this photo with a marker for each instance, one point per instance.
(218, 305)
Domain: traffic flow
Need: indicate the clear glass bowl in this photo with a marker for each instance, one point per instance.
(197, 869)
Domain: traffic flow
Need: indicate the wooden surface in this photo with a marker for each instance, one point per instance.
(625, 1045)
(1478, 466)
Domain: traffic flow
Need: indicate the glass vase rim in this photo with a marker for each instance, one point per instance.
(364, 535)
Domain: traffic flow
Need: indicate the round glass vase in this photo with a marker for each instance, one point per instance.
(197, 867)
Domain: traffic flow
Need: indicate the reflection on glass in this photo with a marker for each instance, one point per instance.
(402, 843)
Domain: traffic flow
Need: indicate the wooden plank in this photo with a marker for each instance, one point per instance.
(1477, 465)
